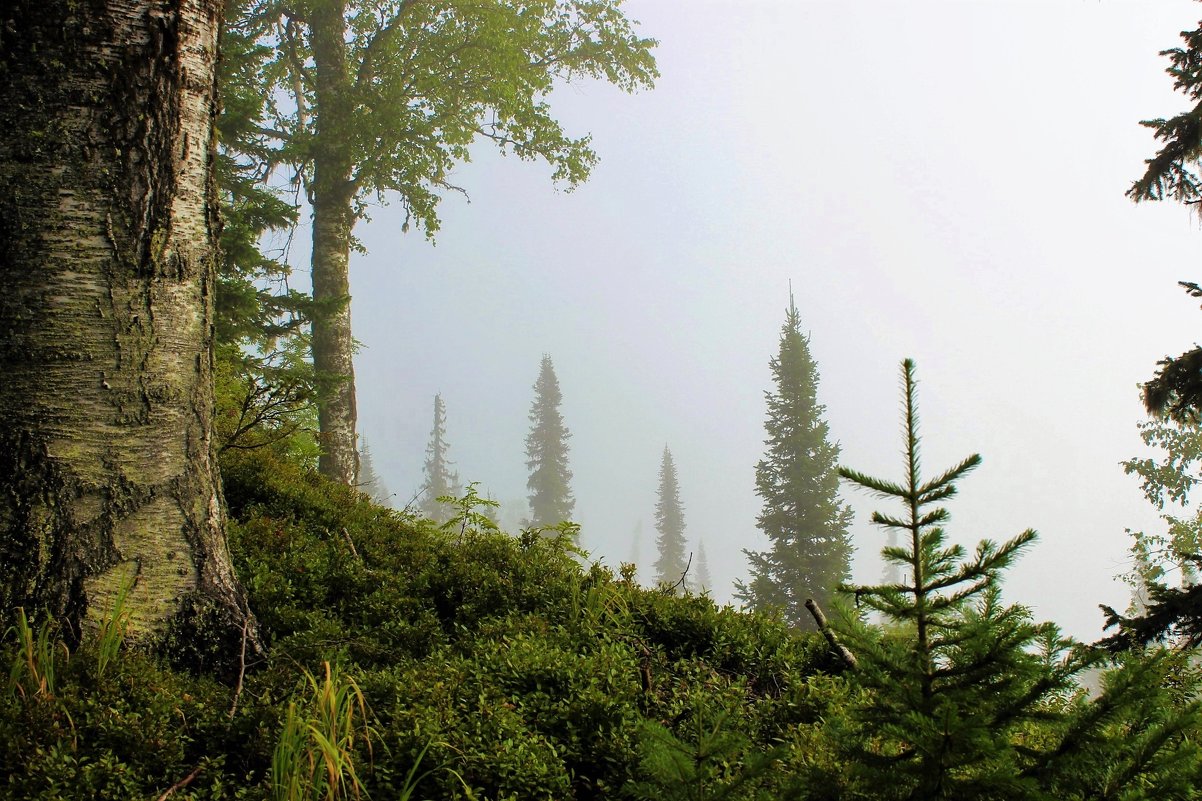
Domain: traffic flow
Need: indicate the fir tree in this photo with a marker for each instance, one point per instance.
(440, 480)
(967, 698)
(369, 480)
(1176, 388)
(669, 525)
(551, 500)
(636, 548)
(804, 520)
(703, 582)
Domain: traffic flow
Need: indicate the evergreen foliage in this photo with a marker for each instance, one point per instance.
(1171, 173)
(440, 481)
(249, 313)
(967, 698)
(370, 482)
(802, 516)
(672, 563)
(265, 383)
(1168, 614)
(1176, 389)
(549, 481)
(710, 762)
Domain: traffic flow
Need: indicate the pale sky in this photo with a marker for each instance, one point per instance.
(939, 180)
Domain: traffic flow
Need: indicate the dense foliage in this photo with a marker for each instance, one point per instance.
(412, 661)
(496, 665)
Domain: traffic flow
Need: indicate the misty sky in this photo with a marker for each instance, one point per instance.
(939, 180)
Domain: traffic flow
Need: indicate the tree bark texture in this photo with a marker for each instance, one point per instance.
(333, 219)
(108, 227)
(333, 344)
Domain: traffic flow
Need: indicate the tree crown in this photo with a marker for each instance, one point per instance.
(419, 82)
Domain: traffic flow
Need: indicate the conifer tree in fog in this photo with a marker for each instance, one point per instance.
(636, 548)
(370, 482)
(551, 500)
(702, 582)
(669, 525)
(809, 549)
(439, 479)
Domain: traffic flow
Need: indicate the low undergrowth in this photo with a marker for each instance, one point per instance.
(406, 662)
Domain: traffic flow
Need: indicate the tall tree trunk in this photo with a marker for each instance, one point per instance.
(107, 253)
(333, 219)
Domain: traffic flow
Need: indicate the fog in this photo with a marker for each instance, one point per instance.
(937, 180)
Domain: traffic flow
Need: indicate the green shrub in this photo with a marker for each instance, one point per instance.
(487, 667)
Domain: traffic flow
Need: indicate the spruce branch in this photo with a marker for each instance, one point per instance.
(887, 489)
(944, 481)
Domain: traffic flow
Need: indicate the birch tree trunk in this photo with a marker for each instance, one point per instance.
(107, 255)
(333, 220)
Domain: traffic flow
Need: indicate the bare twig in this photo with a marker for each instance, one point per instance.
(845, 655)
(241, 672)
(645, 668)
(680, 582)
(347, 536)
(184, 782)
(408, 507)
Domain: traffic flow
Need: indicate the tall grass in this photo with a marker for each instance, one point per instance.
(31, 672)
(315, 755)
(413, 778)
(113, 626)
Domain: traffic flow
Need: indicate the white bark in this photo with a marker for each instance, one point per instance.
(107, 258)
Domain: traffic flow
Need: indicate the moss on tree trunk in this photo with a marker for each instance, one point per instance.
(107, 255)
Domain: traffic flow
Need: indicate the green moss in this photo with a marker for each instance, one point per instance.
(158, 246)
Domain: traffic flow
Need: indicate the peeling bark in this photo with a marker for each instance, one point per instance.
(107, 254)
